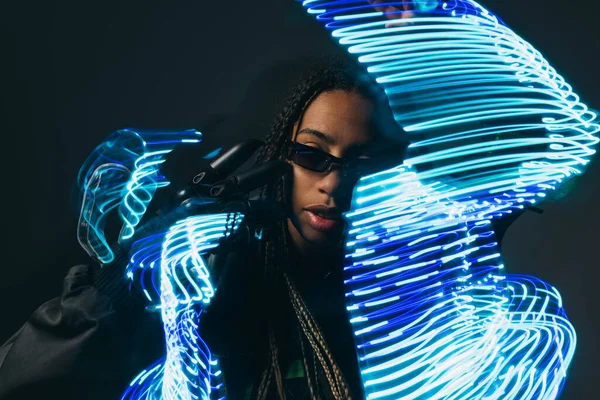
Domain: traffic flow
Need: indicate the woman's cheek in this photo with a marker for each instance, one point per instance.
(301, 189)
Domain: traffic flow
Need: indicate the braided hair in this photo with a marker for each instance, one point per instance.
(326, 75)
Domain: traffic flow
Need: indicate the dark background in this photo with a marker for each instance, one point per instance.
(72, 72)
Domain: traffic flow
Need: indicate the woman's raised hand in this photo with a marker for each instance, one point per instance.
(399, 12)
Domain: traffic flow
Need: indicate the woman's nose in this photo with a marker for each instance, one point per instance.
(335, 184)
(330, 180)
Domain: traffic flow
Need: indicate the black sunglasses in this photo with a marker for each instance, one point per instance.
(314, 159)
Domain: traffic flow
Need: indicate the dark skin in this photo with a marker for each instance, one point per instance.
(339, 123)
(342, 124)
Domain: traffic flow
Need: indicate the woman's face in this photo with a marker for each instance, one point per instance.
(339, 123)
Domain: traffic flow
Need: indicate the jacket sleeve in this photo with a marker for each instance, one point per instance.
(82, 344)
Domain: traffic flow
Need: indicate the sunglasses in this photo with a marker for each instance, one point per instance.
(314, 159)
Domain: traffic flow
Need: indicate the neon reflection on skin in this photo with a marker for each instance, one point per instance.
(493, 127)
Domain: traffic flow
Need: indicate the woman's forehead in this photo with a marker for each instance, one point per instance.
(338, 118)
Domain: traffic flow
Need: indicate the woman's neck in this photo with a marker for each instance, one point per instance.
(310, 252)
(314, 266)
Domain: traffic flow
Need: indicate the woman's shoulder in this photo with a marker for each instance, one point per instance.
(237, 295)
(238, 253)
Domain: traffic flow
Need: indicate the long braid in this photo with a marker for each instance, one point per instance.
(265, 382)
(273, 368)
(276, 367)
(316, 369)
(324, 77)
(315, 337)
(267, 375)
(313, 389)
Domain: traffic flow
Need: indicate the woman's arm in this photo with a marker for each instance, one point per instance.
(88, 343)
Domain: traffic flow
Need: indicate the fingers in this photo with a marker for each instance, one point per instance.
(380, 6)
(248, 180)
(235, 157)
(384, 7)
(398, 13)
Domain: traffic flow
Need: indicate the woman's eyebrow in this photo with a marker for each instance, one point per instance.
(318, 134)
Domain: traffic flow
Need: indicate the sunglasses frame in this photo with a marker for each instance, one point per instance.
(346, 165)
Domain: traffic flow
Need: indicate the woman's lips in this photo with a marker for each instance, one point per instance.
(320, 223)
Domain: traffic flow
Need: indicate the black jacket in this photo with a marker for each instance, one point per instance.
(94, 339)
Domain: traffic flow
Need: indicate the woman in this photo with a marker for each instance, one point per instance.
(278, 323)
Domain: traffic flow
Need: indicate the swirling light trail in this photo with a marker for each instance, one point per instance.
(493, 127)
(122, 173)
(188, 371)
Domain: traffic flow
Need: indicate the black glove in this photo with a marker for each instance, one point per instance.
(217, 187)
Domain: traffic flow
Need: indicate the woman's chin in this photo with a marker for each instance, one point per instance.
(311, 240)
(320, 239)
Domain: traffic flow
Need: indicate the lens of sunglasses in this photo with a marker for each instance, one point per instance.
(309, 157)
(317, 160)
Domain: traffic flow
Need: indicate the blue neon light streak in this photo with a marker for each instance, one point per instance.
(180, 288)
(493, 127)
(122, 174)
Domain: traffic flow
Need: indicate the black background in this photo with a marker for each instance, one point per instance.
(73, 72)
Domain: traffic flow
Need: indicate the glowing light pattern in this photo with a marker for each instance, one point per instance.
(493, 127)
(175, 260)
(433, 315)
(122, 173)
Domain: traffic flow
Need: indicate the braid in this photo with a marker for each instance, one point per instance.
(323, 77)
(313, 390)
(275, 361)
(330, 74)
(273, 367)
(265, 382)
(313, 333)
